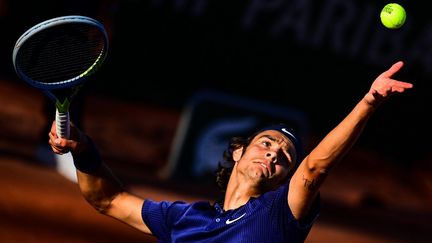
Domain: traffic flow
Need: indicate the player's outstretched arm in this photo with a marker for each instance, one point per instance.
(315, 167)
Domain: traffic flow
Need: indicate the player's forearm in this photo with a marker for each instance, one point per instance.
(337, 143)
(99, 188)
(96, 181)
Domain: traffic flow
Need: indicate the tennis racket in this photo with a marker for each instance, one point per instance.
(57, 56)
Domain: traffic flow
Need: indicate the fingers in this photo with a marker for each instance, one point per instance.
(58, 145)
(403, 85)
(398, 65)
(385, 86)
(395, 68)
(400, 87)
(392, 70)
(396, 85)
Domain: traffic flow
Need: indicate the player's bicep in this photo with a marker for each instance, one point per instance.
(303, 189)
(127, 207)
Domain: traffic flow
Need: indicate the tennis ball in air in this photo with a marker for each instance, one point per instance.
(393, 16)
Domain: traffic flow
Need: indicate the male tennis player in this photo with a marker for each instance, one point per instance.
(272, 192)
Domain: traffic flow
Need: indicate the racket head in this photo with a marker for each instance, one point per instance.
(60, 52)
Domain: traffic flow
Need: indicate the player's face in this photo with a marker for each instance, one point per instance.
(267, 160)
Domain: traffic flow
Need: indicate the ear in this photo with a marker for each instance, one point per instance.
(237, 154)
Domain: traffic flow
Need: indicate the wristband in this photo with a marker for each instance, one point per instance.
(89, 160)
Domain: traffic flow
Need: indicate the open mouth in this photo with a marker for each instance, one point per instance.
(265, 167)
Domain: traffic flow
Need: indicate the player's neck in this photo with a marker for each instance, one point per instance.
(238, 192)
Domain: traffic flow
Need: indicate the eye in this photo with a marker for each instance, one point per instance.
(266, 143)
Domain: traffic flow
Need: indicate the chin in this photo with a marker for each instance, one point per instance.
(258, 175)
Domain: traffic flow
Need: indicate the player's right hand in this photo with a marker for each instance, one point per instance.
(63, 145)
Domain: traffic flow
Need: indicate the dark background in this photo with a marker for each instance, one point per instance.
(318, 57)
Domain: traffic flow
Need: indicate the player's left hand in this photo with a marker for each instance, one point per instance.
(384, 85)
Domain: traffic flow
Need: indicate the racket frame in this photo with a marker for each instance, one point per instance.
(62, 117)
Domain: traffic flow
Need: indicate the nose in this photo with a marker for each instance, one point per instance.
(272, 155)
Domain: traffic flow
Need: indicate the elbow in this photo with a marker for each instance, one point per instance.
(101, 204)
(101, 207)
(318, 166)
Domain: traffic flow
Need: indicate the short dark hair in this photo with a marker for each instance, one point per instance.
(225, 166)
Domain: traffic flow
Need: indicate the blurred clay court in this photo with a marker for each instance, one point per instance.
(39, 203)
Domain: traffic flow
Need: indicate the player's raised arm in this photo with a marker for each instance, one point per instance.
(316, 166)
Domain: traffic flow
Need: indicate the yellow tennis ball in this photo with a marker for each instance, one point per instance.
(393, 16)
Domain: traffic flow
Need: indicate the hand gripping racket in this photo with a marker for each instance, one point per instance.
(57, 56)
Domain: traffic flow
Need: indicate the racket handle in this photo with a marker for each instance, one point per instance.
(62, 124)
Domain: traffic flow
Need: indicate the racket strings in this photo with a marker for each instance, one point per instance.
(62, 54)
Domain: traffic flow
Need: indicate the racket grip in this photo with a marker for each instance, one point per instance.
(62, 124)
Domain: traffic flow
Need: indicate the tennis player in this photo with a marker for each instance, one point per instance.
(271, 190)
